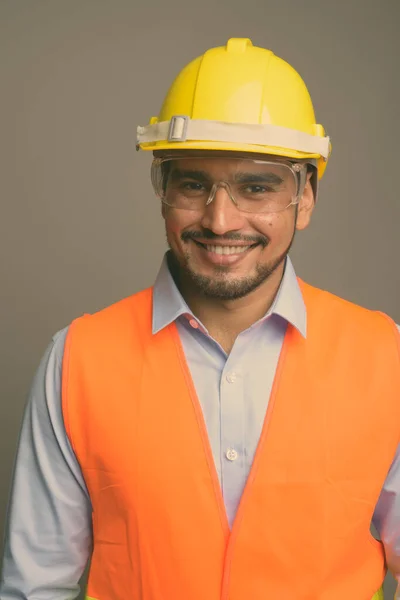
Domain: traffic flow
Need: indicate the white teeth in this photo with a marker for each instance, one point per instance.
(226, 249)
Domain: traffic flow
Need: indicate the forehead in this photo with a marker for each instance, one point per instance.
(226, 162)
(220, 155)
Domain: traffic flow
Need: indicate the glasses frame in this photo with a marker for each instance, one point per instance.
(298, 169)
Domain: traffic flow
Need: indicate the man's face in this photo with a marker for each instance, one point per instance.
(223, 252)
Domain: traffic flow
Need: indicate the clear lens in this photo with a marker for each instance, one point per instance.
(255, 186)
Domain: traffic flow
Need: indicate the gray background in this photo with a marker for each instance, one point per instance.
(80, 227)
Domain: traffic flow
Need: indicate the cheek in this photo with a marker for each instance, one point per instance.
(177, 222)
(172, 228)
(278, 229)
(271, 225)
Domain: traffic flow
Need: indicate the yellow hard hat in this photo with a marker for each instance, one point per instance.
(239, 98)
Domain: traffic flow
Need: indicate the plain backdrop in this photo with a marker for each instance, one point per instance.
(80, 227)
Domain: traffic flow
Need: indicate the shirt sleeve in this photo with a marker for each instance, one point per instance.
(387, 518)
(48, 538)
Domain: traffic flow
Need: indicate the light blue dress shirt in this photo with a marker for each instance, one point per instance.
(48, 535)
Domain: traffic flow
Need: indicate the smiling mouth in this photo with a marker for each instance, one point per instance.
(216, 249)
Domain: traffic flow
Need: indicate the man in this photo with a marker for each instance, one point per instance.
(232, 432)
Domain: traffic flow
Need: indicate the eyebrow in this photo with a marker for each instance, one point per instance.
(200, 176)
(243, 177)
(240, 177)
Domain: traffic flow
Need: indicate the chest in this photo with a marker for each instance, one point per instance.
(318, 418)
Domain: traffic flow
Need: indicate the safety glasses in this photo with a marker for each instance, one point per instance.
(254, 186)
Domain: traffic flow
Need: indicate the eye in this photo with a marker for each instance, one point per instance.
(257, 189)
(192, 185)
(191, 188)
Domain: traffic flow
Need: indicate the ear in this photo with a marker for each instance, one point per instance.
(163, 210)
(306, 205)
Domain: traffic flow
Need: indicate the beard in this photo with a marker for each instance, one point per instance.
(220, 286)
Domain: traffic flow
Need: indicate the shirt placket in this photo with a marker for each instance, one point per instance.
(232, 422)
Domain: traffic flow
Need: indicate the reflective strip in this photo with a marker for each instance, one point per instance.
(181, 129)
(378, 595)
(90, 598)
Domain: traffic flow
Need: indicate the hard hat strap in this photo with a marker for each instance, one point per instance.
(181, 128)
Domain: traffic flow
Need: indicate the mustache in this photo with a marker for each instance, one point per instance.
(207, 234)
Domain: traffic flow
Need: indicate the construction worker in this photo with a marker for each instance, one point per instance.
(231, 432)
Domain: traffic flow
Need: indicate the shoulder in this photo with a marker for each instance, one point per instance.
(132, 306)
(114, 323)
(328, 307)
(138, 301)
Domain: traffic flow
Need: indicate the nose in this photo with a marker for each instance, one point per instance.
(222, 214)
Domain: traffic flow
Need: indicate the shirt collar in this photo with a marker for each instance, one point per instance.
(169, 305)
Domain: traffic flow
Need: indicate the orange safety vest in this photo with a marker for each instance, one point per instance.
(302, 530)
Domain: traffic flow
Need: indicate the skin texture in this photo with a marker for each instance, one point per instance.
(228, 299)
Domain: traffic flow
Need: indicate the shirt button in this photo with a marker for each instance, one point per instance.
(194, 324)
(231, 377)
(231, 454)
